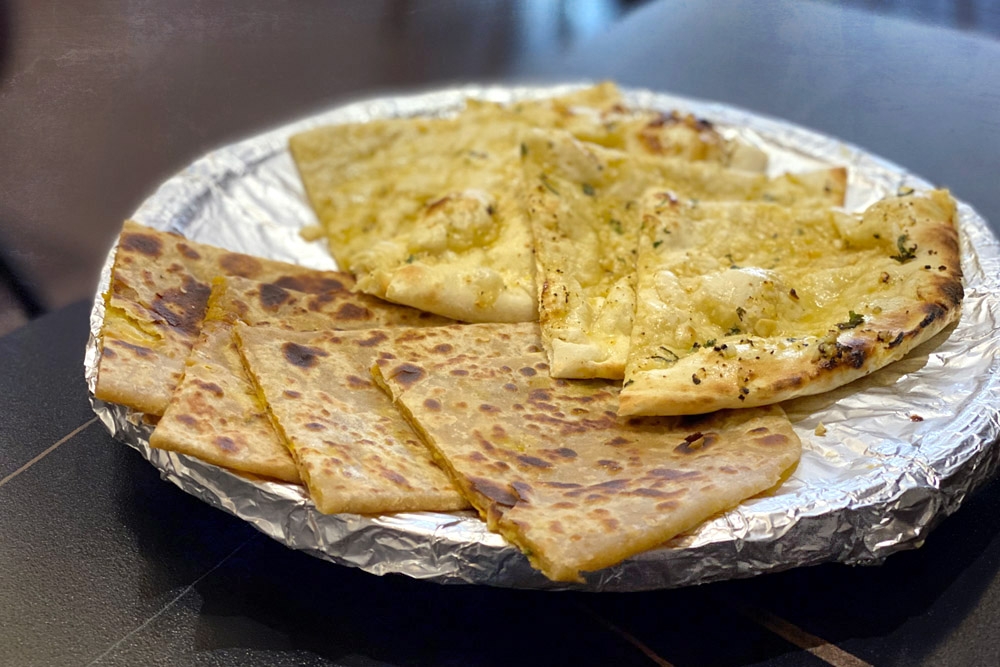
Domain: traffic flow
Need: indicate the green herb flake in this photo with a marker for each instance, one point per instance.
(548, 185)
(616, 225)
(710, 342)
(657, 244)
(524, 149)
(668, 355)
(905, 254)
(740, 312)
(853, 320)
(588, 189)
(409, 260)
(733, 331)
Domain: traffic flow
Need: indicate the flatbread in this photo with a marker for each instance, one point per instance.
(354, 451)
(156, 303)
(749, 304)
(551, 468)
(215, 413)
(428, 212)
(582, 202)
(598, 114)
(283, 306)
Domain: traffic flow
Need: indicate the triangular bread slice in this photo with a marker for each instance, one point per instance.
(550, 466)
(215, 413)
(354, 451)
(750, 304)
(156, 303)
(428, 212)
(583, 204)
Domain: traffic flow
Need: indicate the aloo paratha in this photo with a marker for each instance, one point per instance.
(550, 466)
(156, 303)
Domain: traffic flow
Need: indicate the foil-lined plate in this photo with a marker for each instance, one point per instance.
(902, 448)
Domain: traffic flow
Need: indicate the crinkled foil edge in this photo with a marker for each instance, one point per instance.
(919, 479)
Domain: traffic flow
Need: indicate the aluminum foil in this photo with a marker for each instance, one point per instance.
(903, 447)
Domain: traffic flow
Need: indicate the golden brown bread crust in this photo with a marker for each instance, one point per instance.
(353, 450)
(215, 414)
(915, 291)
(550, 467)
(582, 203)
(157, 301)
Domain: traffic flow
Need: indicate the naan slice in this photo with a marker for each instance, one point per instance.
(583, 204)
(160, 283)
(354, 451)
(598, 114)
(749, 304)
(428, 212)
(552, 469)
(215, 413)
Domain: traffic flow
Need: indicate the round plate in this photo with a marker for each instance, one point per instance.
(901, 450)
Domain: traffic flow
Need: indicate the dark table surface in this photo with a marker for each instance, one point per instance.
(101, 562)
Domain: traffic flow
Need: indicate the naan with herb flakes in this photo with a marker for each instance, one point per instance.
(750, 304)
(215, 413)
(428, 212)
(599, 115)
(156, 303)
(552, 469)
(354, 451)
(583, 204)
(430, 217)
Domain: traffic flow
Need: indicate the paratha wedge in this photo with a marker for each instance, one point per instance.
(215, 412)
(156, 303)
(216, 415)
(551, 468)
(750, 304)
(354, 451)
(583, 205)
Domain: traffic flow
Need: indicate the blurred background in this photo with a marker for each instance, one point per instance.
(101, 100)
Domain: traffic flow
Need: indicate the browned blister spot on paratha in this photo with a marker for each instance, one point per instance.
(315, 284)
(236, 264)
(302, 356)
(549, 451)
(142, 243)
(272, 296)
